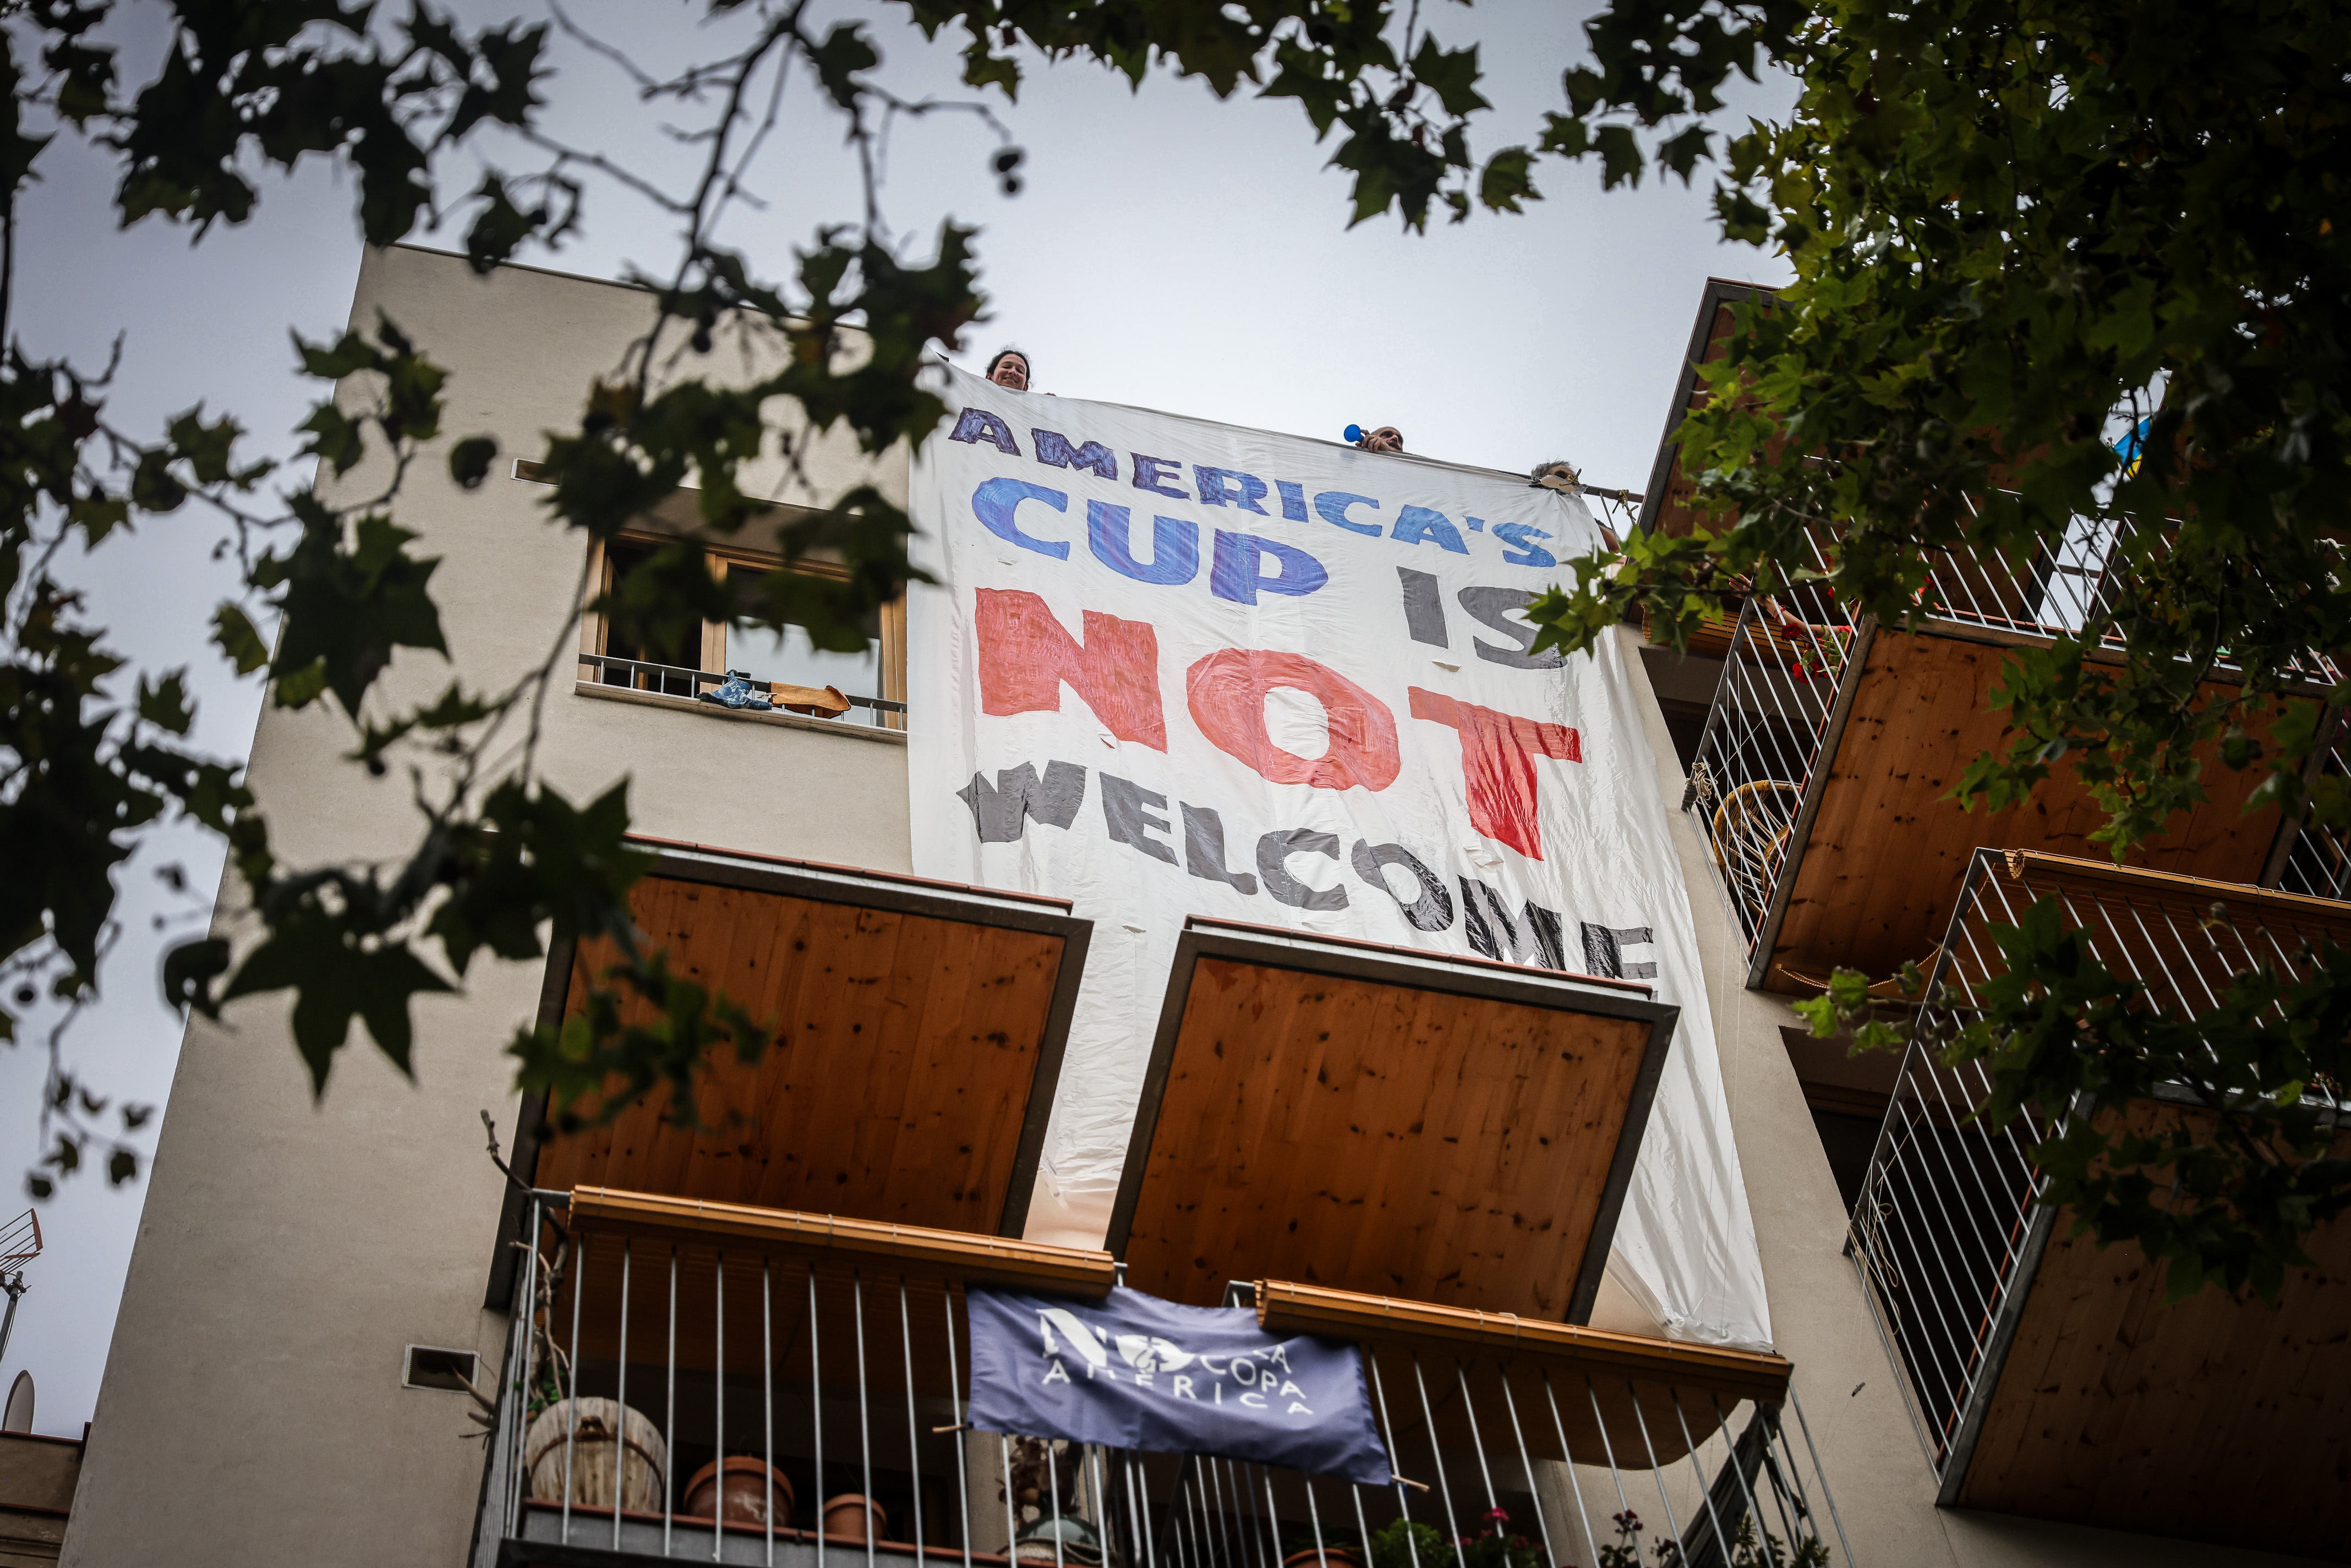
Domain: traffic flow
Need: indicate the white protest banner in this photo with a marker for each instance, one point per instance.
(1176, 667)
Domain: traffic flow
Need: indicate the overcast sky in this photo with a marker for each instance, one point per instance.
(1168, 251)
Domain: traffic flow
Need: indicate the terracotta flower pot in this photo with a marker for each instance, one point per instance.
(851, 1517)
(740, 1489)
(1336, 1556)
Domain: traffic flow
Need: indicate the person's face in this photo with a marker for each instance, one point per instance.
(1387, 438)
(1012, 372)
(1559, 476)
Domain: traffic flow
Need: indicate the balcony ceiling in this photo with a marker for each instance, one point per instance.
(918, 1032)
(1390, 1122)
(2214, 1417)
(1921, 714)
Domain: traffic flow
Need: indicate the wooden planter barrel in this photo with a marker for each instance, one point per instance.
(599, 1436)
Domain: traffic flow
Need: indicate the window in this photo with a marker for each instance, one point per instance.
(685, 654)
(789, 658)
(873, 679)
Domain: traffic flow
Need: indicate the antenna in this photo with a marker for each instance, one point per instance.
(20, 1244)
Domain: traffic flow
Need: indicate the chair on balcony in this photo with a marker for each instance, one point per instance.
(1751, 838)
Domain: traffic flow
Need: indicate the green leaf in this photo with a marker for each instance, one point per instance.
(347, 608)
(235, 635)
(1506, 186)
(845, 52)
(470, 460)
(1620, 157)
(1452, 75)
(164, 703)
(338, 975)
(189, 970)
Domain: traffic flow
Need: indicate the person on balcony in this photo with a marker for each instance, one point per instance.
(1560, 476)
(1387, 438)
(1009, 368)
(1557, 474)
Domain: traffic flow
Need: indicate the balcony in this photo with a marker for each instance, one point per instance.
(2318, 865)
(1433, 1148)
(828, 1362)
(1831, 741)
(2047, 1375)
(1385, 1120)
(918, 1030)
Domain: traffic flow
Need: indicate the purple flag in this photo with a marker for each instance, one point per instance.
(1136, 1372)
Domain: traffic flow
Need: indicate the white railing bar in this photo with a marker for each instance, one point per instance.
(1574, 1484)
(1363, 1525)
(1704, 1492)
(669, 1413)
(914, 1433)
(719, 1417)
(1527, 1464)
(865, 1415)
(571, 1417)
(1656, 1476)
(1395, 1454)
(1053, 1487)
(816, 1409)
(962, 1444)
(1738, 1472)
(767, 1399)
(1477, 1440)
(1608, 1448)
(620, 1398)
(1435, 1450)
(1011, 1510)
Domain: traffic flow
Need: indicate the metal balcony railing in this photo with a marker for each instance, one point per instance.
(677, 680)
(1790, 657)
(827, 1363)
(2319, 864)
(1793, 655)
(1948, 1230)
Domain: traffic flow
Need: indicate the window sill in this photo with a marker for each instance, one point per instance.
(851, 729)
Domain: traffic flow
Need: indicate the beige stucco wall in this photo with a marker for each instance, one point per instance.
(251, 1411)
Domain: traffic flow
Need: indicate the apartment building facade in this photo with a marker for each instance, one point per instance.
(749, 1339)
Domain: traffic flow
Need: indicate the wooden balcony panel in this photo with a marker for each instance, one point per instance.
(1666, 505)
(2213, 1418)
(1374, 1120)
(781, 1234)
(1570, 1349)
(1874, 879)
(918, 1030)
(2050, 1377)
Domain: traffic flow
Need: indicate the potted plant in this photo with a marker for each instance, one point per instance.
(1337, 1547)
(852, 1516)
(740, 1489)
(1406, 1544)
